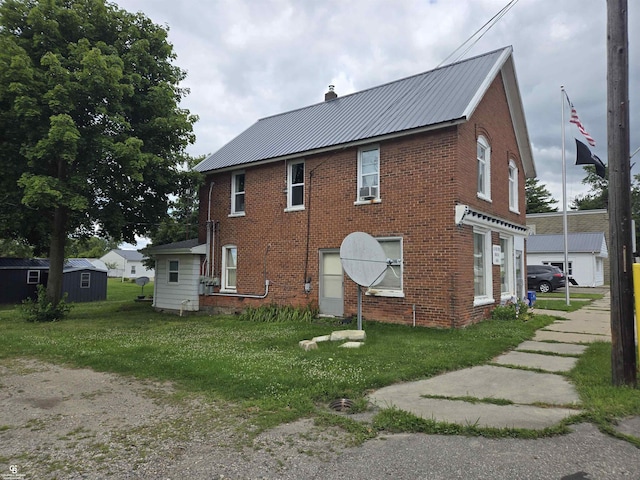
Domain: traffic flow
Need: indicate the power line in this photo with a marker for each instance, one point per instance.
(484, 29)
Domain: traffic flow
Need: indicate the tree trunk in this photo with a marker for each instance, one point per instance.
(56, 255)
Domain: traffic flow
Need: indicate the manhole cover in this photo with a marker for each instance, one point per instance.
(341, 405)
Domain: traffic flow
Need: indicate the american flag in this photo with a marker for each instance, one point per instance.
(576, 121)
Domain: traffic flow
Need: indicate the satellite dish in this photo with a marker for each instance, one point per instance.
(142, 281)
(363, 259)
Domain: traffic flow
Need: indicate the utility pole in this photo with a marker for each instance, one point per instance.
(623, 355)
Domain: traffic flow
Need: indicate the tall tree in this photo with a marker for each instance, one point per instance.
(182, 221)
(91, 133)
(598, 195)
(539, 199)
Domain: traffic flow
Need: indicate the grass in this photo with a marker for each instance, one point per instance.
(259, 369)
(557, 301)
(254, 364)
(603, 402)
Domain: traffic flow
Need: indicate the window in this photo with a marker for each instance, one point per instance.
(484, 168)
(237, 193)
(391, 284)
(513, 187)
(482, 267)
(33, 277)
(174, 268)
(506, 266)
(295, 185)
(229, 267)
(133, 269)
(369, 174)
(85, 280)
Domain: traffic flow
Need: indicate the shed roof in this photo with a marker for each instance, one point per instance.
(184, 246)
(438, 98)
(592, 242)
(70, 265)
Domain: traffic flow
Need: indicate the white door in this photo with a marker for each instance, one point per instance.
(331, 300)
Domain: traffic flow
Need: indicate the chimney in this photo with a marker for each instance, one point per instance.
(330, 95)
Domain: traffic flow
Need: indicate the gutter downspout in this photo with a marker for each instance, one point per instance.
(209, 243)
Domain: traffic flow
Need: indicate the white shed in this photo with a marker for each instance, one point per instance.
(586, 255)
(177, 275)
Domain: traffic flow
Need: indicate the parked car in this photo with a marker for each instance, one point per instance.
(544, 278)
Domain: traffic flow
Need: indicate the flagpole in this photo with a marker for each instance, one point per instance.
(564, 203)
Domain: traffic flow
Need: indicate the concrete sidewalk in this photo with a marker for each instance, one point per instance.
(529, 378)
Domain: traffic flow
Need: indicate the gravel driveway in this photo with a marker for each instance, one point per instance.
(67, 423)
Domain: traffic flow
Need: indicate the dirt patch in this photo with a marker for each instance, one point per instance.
(65, 423)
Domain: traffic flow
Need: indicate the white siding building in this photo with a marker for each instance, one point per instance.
(126, 264)
(586, 254)
(177, 275)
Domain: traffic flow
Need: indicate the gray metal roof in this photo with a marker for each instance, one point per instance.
(439, 97)
(70, 264)
(577, 243)
(130, 255)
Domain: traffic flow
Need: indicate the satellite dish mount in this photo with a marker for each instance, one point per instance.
(364, 260)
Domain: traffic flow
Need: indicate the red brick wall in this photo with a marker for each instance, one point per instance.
(422, 177)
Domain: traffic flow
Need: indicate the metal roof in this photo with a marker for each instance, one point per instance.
(577, 243)
(130, 255)
(70, 264)
(440, 97)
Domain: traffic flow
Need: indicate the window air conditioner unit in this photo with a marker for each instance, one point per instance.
(368, 193)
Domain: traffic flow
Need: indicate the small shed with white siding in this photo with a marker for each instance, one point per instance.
(587, 253)
(177, 275)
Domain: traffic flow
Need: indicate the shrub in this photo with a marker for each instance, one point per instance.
(511, 311)
(279, 313)
(41, 309)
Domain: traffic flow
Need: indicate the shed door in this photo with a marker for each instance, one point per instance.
(331, 289)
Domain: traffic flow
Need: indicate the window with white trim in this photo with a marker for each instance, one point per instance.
(173, 271)
(391, 284)
(133, 269)
(506, 266)
(229, 267)
(295, 185)
(484, 168)
(482, 267)
(368, 173)
(513, 187)
(33, 277)
(85, 280)
(237, 193)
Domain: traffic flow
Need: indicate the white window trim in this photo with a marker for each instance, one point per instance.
(85, 275)
(391, 292)
(487, 298)
(290, 185)
(360, 201)
(29, 272)
(510, 271)
(224, 287)
(169, 271)
(513, 188)
(486, 195)
(234, 212)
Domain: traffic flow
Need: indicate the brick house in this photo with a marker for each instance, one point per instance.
(433, 166)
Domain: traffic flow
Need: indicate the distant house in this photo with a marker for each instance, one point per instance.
(587, 254)
(433, 166)
(83, 280)
(578, 221)
(178, 280)
(126, 264)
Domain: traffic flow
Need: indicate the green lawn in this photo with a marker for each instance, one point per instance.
(258, 367)
(557, 301)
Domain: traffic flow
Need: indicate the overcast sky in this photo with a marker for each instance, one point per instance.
(248, 59)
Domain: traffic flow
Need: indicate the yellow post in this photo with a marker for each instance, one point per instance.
(636, 294)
